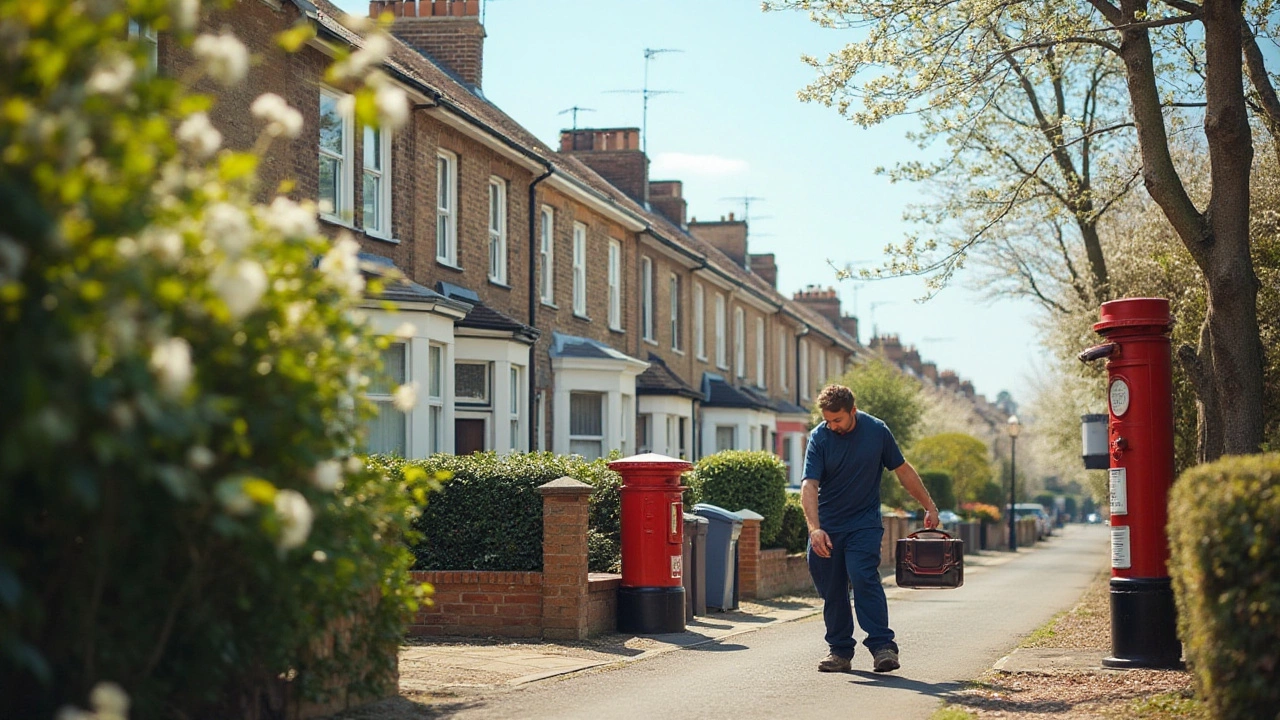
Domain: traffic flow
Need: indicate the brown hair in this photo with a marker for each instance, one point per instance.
(836, 398)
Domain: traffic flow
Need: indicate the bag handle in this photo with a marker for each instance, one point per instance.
(943, 533)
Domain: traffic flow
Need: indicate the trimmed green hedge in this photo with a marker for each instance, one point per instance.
(737, 479)
(488, 516)
(1225, 566)
(941, 488)
(794, 533)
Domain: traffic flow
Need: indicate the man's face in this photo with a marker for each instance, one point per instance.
(841, 421)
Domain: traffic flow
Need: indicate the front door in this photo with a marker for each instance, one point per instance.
(468, 434)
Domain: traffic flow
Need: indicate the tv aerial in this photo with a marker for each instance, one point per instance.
(646, 93)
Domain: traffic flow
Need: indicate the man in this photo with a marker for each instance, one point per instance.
(841, 499)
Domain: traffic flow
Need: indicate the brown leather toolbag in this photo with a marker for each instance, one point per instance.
(935, 563)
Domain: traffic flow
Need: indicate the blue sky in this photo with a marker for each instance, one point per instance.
(735, 127)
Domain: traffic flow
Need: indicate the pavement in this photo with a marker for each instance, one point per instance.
(452, 667)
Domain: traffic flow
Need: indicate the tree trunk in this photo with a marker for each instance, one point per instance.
(1099, 280)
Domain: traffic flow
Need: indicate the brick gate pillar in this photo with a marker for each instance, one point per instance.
(749, 555)
(565, 599)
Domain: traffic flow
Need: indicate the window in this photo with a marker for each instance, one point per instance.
(646, 297)
(644, 433)
(388, 431)
(498, 230)
(822, 366)
(376, 190)
(760, 379)
(782, 358)
(673, 442)
(626, 425)
(539, 419)
(726, 437)
(699, 323)
(149, 42)
(740, 342)
(447, 208)
(615, 285)
(514, 407)
(471, 383)
(786, 456)
(580, 269)
(586, 424)
(435, 399)
(547, 257)
(675, 313)
(722, 359)
(684, 451)
(804, 370)
(335, 158)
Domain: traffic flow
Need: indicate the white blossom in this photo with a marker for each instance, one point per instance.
(292, 220)
(185, 14)
(227, 225)
(112, 76)
(295, 519)
(225, 58)
(240, 284)
(406, 331)
(362, 61)
(319, 556)
(393, 107)
(342, 267)
(200, 457)
(110, 700)
(199, 135)
(281, 119)
(326, 475)
(294, 312)
(165, 243)
(354, 464)
(171, 362)
(230, 492)
(405, 398)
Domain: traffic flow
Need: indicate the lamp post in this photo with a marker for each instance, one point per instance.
(1014, 427)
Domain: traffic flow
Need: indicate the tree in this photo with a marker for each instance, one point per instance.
(941, 488)
(918, 53)
(883, 391)
(963, 457)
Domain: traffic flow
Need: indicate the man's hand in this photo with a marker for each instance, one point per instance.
(931, 519)
(820, 542)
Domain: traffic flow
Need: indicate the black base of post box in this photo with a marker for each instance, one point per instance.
(1144, 625)
(650, 611)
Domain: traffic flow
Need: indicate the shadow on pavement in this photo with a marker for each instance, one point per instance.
(401, 708)
(717, 647)
(938, 690)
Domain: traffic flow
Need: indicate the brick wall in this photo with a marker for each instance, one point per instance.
(782, 573)
(480, 603)
(628, 170)
(603, 614)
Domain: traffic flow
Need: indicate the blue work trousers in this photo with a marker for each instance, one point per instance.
(855, 556)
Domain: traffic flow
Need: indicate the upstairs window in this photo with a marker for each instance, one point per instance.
(376, 188)
(547, 257)
(615, 285)
(447, 208)
(740, 342)
(676, 340)
(760, 378)
(498, 230)
(699, 322)
(335, 144)
(722, 354)
(646, 297)
(580, 269)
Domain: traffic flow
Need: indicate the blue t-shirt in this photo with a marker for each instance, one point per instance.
(847, 468)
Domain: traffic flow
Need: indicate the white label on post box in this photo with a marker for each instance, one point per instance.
(677, 566)
(1119, 491)
(1119, 397)
(1120, 547)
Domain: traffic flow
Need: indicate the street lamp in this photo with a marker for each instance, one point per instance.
(1014, 427)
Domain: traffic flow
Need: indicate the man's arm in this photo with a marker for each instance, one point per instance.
(809, 501)
(910, 480)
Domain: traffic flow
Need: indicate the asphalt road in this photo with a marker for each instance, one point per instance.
(946, 637)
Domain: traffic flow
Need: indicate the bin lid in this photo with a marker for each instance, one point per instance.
(713, 512)
(690, 517)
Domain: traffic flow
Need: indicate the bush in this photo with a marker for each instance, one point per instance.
(737, 479)
(1225, 565)
(794, 533)
(488, 516)
(180, 512)
(993, 493)
(980, 512)
(940, 488)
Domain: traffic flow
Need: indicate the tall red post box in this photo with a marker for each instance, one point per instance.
(651, 596)
(1140, 445)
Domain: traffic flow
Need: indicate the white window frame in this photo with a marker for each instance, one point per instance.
(805, 390)
(782, 358)
(435, 398)
(447, 208)
(147, 37)
(722, 347)
(761, 379)
(497, 230)
(699, 321)
(604, 422)
(674, 285)
(344, 202)
(646, 298)
(385, 400)
(487, 400)
(615, 285)
(382, 176)
(822, 365)
(513, 407)
(579, 269)
(547, 255)
(740, 342)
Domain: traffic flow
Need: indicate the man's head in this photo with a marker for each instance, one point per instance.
(838, 407)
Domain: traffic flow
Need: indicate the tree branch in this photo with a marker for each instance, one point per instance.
(1257, 67)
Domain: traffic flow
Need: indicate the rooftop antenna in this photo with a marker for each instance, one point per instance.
(575, 110)
(746, 201)
(875, 331)
(484, 9)
(646, 93)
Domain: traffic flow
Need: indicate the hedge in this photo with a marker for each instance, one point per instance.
(794, 533)
(488, 516)
(941, 488)
(737, 479)
(1225, 566)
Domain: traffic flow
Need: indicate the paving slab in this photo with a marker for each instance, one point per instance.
(1049, 661)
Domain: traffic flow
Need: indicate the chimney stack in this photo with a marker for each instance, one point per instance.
(765, 265)
(447, 31)
(667, 198)
(614, 153)
(727, 236)
(824, 300)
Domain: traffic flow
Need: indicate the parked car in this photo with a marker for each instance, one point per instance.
(1044, 527)
(948, 517)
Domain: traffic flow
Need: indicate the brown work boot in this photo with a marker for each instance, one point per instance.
(834, 663)
(885, 660)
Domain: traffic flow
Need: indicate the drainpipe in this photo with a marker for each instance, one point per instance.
(533, 309)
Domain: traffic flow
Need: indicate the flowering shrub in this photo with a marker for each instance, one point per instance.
(980, 512)
(182, 519)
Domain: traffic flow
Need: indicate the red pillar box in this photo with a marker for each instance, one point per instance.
(1140, 443)
(651, 596)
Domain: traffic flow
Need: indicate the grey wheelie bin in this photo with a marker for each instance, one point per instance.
(722, 555)
(695, 565)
